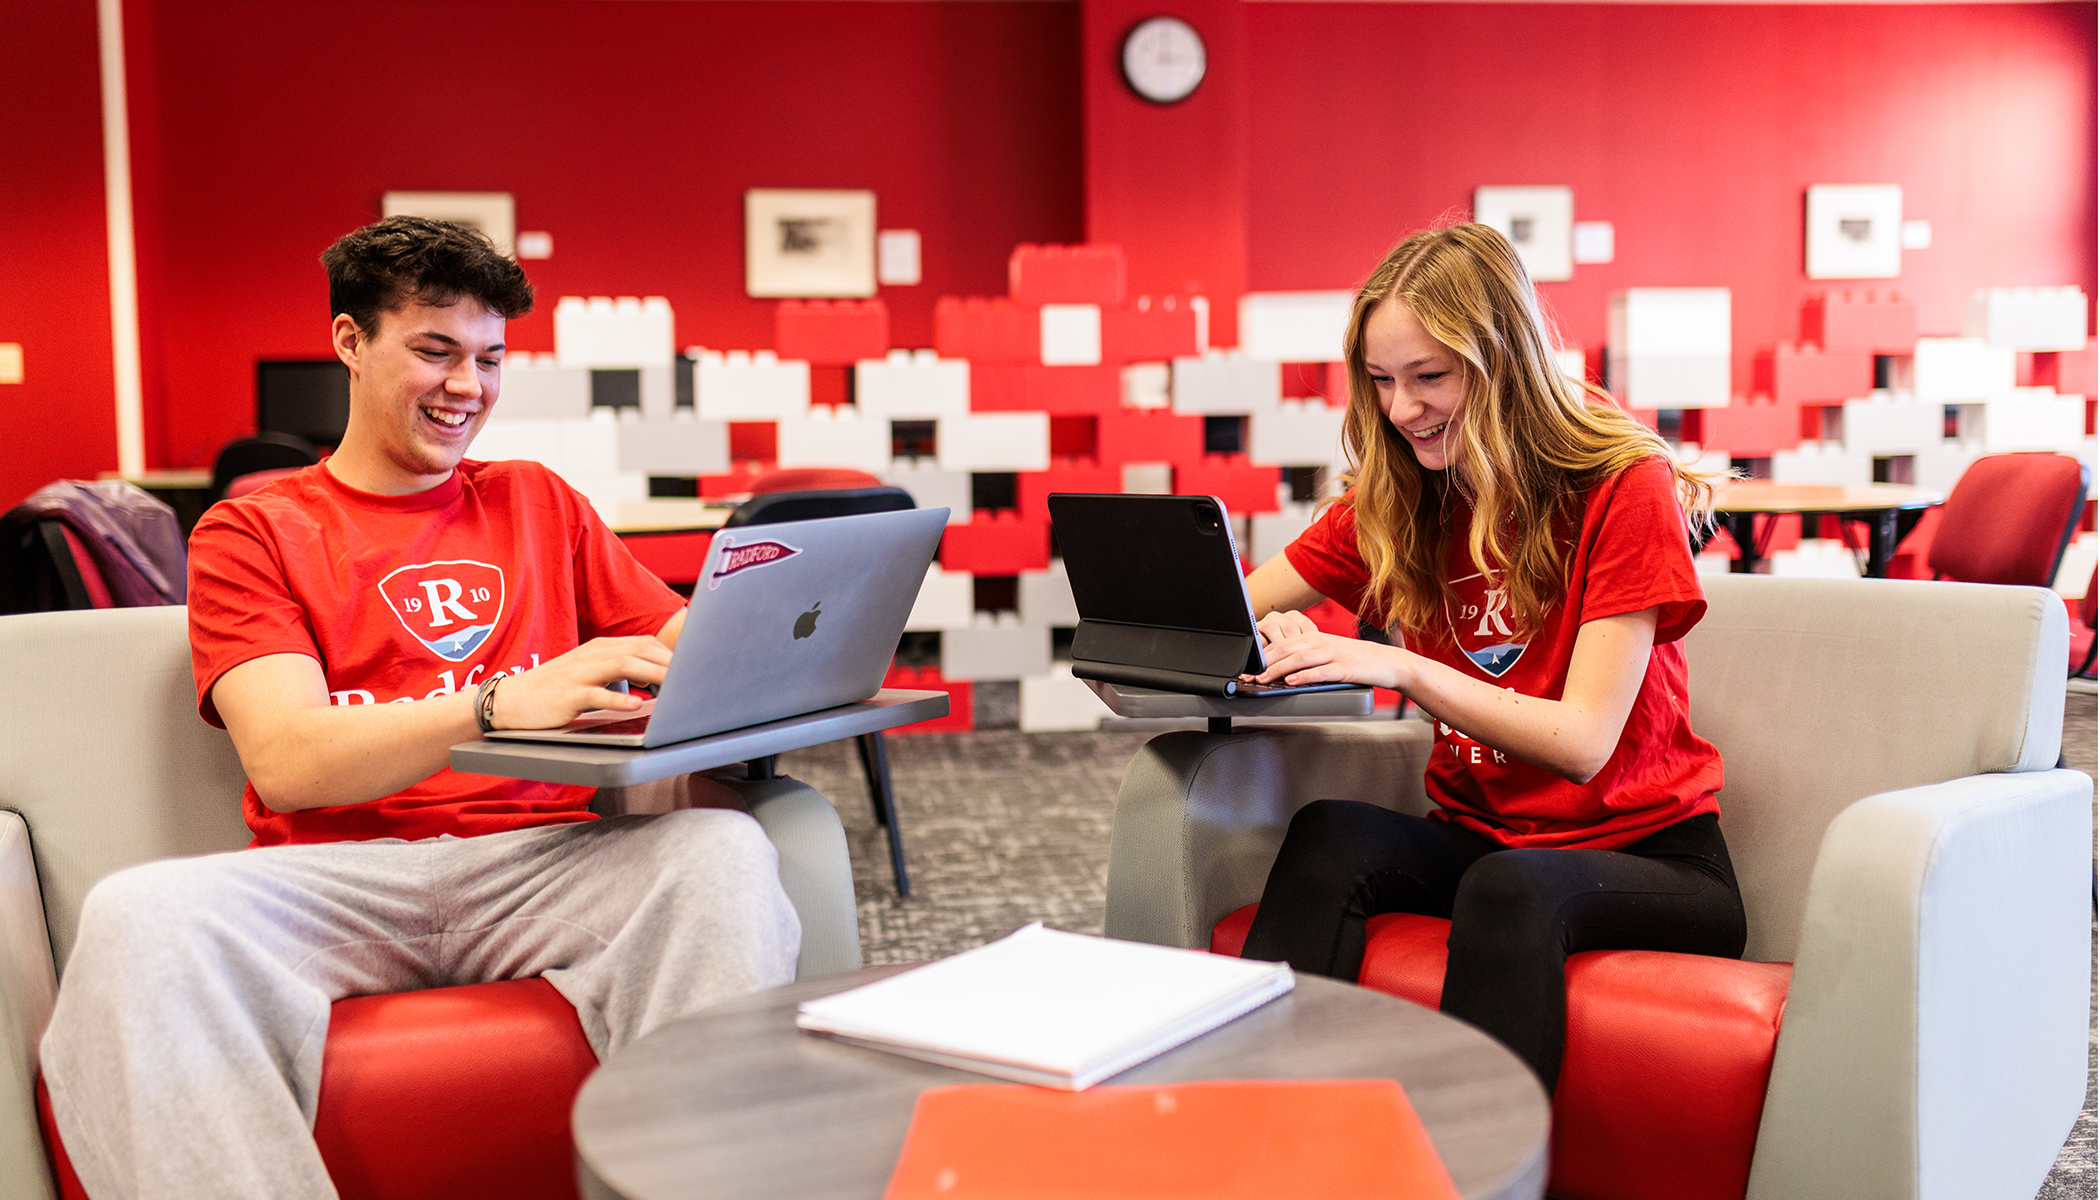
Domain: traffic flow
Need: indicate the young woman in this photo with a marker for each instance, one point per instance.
(1526, 545)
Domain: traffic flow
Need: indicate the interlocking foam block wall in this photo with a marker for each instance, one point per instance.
(831, 333)
(997, 544)
(1860, 322)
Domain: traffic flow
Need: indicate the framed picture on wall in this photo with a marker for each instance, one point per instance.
(801, 242)
(1855, 231)
(493, 213)
(1538, 221)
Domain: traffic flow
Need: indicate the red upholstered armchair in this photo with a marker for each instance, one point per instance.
(1910, 1018)
(2009, 518)
(451, 1092)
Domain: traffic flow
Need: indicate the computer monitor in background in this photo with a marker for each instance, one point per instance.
(307, 397)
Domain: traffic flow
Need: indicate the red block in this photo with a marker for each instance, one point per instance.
(832, 333)
(1804, 374)
(960, 719)
(1152, 329)
(997, 544)
(2072, 372)
(1860, 323)
(1072, 437)
(674, 556)
(754, 441)
(1244, 487)
(1744, 430)
(737, 480)
(987, 331)
(1060, 391)
(1148, 435)
(1089, 274)
(1032, 488)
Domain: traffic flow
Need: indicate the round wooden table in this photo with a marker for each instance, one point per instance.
(736, 1102)
(1889, 510)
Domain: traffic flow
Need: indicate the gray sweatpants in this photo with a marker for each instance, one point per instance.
(184, 1055)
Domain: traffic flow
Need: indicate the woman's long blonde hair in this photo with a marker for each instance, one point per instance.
(1527, 445)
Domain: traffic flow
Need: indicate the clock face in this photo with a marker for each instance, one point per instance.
(1163, 59)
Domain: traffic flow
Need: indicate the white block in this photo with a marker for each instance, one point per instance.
(931, 487)
(590, 447)
(1148, 385)
(1045, 597)
(824, 439)
(1572, 363)
(1821, 462)
(532, 439)
(677, 446)
(2027, 318)
(2027, 419)
(1939, 468)
(1071, 335)
(994, 442)
(613, 333)
(991, 650)
(1956, 371)
(742, 386)
(947, 600)
(912, 386)
(1296, 433)
(659, 393)
(533, 389)
(1057, 702)
(1226, 384)
(1294, 327)
(1148, 479)
(1271, 532)
(1671, 382)
(1884, 425)
(1670, 323)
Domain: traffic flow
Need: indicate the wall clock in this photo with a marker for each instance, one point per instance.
(1163, 59)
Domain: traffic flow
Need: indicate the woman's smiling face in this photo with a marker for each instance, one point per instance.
(1421, 383)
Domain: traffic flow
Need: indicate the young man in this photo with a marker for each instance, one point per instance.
(348, 624)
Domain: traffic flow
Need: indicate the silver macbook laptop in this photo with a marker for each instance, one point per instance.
(786, 619)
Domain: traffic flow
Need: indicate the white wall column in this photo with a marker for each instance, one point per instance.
(123, 254)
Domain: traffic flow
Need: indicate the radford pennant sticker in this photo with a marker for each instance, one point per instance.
(733, 558)
(450, 607)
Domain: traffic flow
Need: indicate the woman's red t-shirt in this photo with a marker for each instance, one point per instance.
(497, 570)
(1631, 553)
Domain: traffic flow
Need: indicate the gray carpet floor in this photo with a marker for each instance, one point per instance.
(1002, 828)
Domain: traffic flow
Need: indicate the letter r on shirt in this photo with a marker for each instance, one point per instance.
(450, 599)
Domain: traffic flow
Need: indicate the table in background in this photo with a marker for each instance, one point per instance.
(756, 745)
(737, 1103)
(1888, 510)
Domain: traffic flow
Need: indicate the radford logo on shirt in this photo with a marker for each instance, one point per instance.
(451, 606)
(1482, 625)
(735, 558)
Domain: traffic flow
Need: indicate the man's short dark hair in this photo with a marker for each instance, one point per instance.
(387, 264)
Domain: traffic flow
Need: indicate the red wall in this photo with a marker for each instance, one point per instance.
(54, 251)
(629, 130)
(1694, 129)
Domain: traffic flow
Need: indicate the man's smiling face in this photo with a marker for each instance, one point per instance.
(421, 386)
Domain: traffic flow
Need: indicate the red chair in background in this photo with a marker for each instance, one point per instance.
(2009, 519)
(2084, 640)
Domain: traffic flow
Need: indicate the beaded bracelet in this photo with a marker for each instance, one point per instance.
(485, 705)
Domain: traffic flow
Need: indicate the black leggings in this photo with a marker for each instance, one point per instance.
(1515, 915)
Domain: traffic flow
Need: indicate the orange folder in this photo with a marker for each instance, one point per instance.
(1343, 1139)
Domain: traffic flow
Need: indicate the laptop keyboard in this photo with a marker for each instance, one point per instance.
(630, 725)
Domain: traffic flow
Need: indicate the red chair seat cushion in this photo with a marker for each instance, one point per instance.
(1663, 1080)
(458, 1092)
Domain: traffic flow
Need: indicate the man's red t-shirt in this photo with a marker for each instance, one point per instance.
(1631, 553)
(497, 570)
